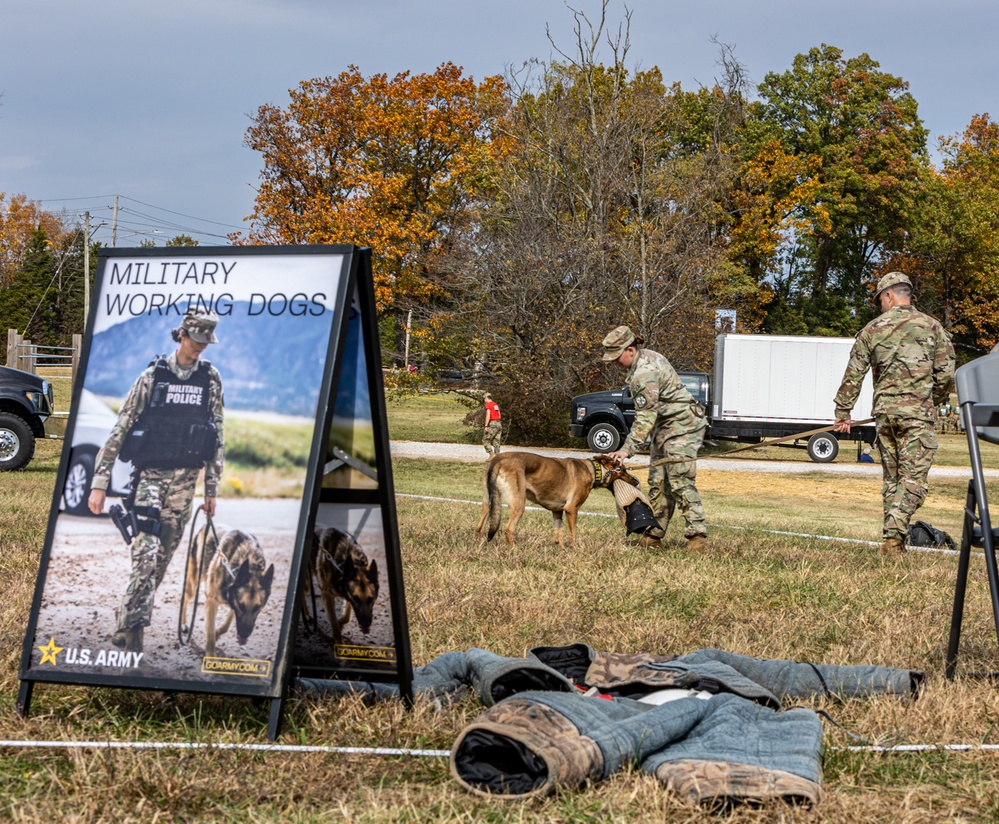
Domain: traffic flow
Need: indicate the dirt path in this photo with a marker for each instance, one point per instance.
(88, 572)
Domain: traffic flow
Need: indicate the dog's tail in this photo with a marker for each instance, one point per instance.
(493, 496)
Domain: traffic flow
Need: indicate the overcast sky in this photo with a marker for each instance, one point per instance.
(151, 100)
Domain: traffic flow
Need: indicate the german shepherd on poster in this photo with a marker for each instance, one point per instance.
(560, 485)
(344, 572)
(233, 576)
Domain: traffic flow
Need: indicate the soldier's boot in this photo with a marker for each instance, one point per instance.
(698, 543)
(892, 548)
(649, 541)
(129, 639)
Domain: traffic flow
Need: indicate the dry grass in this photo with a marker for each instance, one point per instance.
(756, 593)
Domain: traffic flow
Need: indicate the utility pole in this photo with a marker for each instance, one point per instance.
(409, 325)
(86, 268)
(114, 223)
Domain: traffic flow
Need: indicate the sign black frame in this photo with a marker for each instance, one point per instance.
(353, 276)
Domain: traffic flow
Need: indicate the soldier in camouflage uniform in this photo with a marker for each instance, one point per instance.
(912, 361)
(667, 412)
(176, 402)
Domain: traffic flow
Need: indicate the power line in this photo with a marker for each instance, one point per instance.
(146, 226)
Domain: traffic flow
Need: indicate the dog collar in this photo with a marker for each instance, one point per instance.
(598, 472)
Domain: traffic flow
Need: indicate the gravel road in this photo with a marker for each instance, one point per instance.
(474, 453)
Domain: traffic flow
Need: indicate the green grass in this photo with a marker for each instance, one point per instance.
(756, 592)
(432, 418)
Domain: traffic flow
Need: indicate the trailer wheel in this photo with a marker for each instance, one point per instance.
(823, 448)
(603, 437)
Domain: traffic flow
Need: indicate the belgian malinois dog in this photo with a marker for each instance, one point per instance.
(560, 485)
(233, 576)
(344, 572)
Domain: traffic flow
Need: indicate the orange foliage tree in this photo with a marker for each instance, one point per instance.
(953, 251)
(20, 218)
(397, 164)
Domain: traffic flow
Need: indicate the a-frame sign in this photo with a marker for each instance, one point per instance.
(159, 595)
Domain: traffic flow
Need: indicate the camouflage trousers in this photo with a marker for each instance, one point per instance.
(672, 485)
(491, 437)
(172, 490)
(907, 447)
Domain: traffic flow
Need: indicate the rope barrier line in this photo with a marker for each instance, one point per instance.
(189, 745)
(784, 533)
(398, 751)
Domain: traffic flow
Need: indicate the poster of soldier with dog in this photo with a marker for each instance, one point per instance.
(179, 565)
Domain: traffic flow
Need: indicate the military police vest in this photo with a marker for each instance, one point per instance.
(176, 429)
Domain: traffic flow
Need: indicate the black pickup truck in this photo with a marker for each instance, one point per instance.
(25, 404)
(604, 418)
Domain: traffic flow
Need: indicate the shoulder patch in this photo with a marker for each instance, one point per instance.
(641, 401)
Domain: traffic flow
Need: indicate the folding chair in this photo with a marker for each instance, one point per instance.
(978, 397)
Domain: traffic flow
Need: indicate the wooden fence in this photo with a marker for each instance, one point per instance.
(27, 356)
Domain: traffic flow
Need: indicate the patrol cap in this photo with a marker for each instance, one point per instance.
(200, 325)
(487, 397)
(891, 279)
(616, 342)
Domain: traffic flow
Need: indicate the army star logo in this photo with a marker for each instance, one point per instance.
(640, 401)
(49, 652)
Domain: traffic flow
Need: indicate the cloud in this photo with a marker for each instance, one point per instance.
(17, 163)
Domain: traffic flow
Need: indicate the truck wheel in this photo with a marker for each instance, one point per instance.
(76, 492)
(823, 448)
(603, 437)
(17, 443)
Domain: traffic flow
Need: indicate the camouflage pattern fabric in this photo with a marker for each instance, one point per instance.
(667, 412)
(136, 402)
(492, 436)
(172, 491)
(911, 359)
(561, 755)
(613, 669)
(718, 783)
(907, 447)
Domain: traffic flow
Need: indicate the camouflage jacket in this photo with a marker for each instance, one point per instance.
(660, 397)
(136, 402)
(912, 361)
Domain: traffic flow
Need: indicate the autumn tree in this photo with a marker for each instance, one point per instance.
(952, 251)
(20, 218)
(611, 209)
(861, 126)
(399, 164)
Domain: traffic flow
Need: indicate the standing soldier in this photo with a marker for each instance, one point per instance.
(912, 360)
(667, 412)
(169, 427)
(492, 432)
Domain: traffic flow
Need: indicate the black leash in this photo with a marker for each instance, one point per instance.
(184, 637)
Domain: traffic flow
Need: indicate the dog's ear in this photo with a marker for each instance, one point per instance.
(243, 574)
(268, 578)
(373, 570)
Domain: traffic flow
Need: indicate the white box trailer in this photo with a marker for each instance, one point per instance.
(771, 386)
